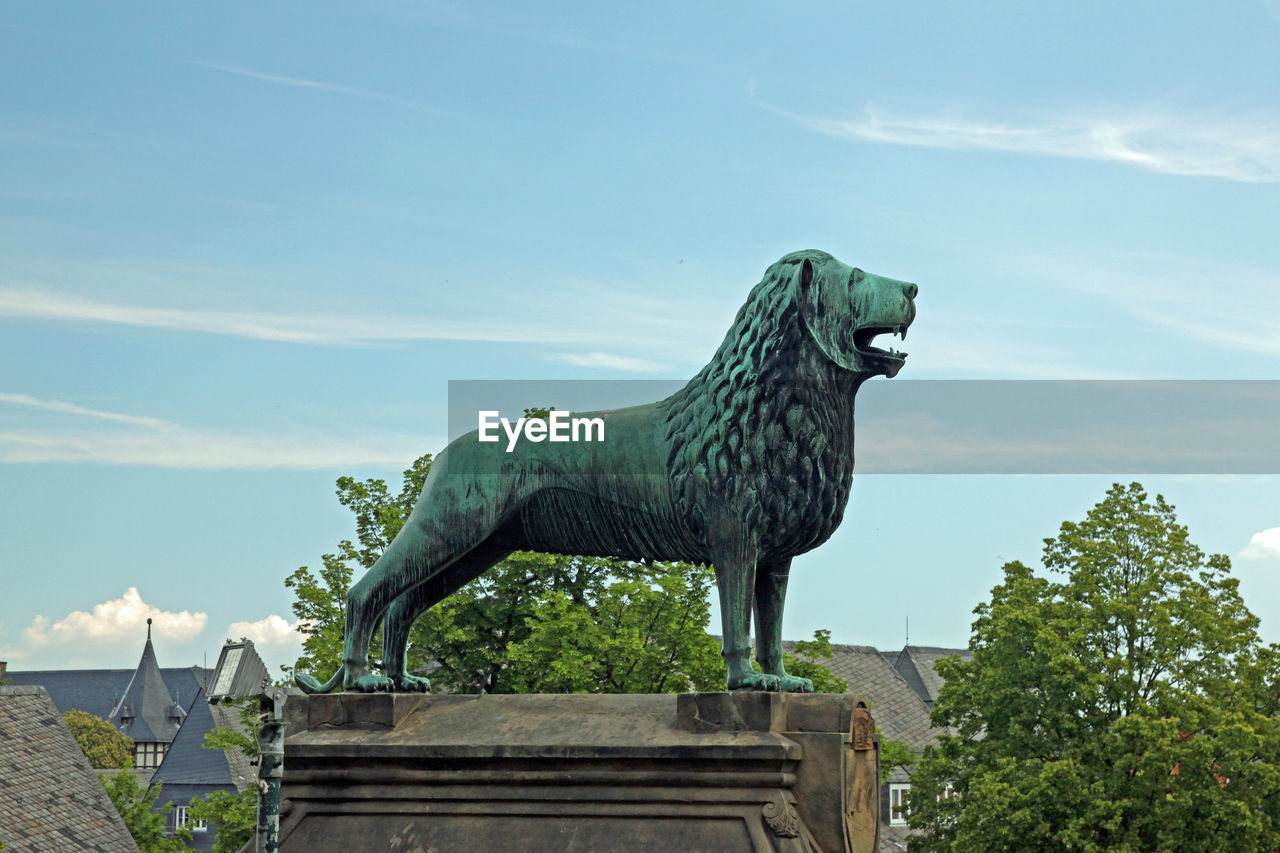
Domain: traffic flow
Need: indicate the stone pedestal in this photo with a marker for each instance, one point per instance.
(695, 772)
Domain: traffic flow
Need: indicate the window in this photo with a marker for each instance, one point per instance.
(149, 755)
(181, 819)
(898, 803)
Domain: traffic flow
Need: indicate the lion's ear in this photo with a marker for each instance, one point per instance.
(805, 274)
(827, 312)
(808, 290)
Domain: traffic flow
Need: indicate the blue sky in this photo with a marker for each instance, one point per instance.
(243, 249)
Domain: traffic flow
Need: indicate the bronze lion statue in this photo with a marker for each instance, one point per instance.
(745, 467)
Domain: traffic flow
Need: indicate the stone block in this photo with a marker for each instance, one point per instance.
(697, 772)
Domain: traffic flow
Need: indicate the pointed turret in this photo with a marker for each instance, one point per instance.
(147, 712)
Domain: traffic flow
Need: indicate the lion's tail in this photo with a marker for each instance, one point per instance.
(309, 684)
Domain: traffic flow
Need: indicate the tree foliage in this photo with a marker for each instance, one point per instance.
(895, 753)
(617, 627)
(233, 817)
(1123, 704)
(136, 806)
(106, 748)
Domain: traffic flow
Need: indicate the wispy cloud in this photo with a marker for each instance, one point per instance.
(1182, 295)
(1265, 544)
(1231, 147)
(157, 443)
(73, 409)
(320, 85)
(181, 447)
(611, 361)
(316, 330)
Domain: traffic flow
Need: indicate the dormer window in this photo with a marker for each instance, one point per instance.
(148, 755)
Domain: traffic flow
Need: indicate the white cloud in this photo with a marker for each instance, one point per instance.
(318, 330)
(180, 447)
(73, 409)
(1175, 293)
(35, 303)
(610, 361)
(271, 631)
(164, 444)
(1234, 148)
(304, 83)
(1265, 544)
(123, 619)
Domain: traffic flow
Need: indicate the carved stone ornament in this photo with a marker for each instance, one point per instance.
(864, 728)
(782, 818)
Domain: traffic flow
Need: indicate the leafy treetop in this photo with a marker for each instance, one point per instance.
(1122, 703)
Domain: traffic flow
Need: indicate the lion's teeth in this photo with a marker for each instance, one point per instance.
(904, 333)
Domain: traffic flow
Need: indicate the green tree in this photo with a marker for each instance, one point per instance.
(136, 806)
(1125, 705)
(106, 748)
(233, 817)
(619, 628)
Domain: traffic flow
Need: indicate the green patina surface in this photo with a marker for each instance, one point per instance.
(745, 467)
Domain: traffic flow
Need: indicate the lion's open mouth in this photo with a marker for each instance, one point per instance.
(862, 339)
(890, 358)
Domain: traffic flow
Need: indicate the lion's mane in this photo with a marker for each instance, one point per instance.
(766, 428)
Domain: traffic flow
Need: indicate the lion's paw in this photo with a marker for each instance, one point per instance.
(794, 684)
(411, 684)
(753, 680)
(371, 684)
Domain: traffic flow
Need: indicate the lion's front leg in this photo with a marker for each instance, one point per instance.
(735, 564)
(771, 594)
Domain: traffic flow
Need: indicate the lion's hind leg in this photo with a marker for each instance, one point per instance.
(415, 555)
(412, 603)
(770, 595)
(454, 515)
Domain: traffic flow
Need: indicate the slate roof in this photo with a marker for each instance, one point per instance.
(98, 691)
(896, 707)
(188, 762)
(50, 798)
(189, 770)
(916, 665)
